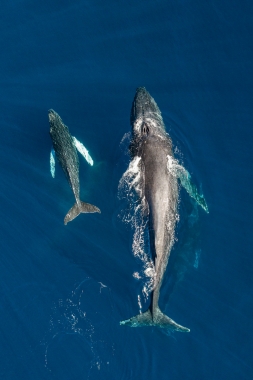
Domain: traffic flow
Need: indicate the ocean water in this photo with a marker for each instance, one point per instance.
(64, 289)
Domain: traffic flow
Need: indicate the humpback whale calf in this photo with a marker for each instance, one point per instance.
(151, 148)
(64, 147)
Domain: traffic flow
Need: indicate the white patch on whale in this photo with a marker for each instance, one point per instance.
(84, 152)
(52, 163)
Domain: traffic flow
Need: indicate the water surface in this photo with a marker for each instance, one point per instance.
(64, 289)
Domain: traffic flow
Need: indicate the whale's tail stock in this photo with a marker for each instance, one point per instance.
(159, 320)
(77, 209)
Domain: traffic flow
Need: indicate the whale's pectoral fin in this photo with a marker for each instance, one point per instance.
(78, 209)
(159, 320)
(186, 182)
(52, 162)
(185, 178)
(84, 152)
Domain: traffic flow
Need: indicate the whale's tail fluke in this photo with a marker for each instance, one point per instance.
(78, 209)
(159, 320)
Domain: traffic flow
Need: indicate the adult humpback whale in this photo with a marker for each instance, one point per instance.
(64, 146)
(151, 149)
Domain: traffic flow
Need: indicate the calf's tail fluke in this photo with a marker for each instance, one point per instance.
(78, 209)
(158, 320)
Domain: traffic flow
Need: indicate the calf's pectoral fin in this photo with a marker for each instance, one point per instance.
(84, 152)
(52, 162)
(76, 210)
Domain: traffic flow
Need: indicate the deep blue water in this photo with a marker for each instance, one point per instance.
(85, 59)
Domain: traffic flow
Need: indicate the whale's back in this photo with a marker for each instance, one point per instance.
(65, 151)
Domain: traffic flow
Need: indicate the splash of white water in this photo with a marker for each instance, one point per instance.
(130, 188)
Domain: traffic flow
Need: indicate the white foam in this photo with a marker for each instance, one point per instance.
(174, 167)
(137, 275)
(130, 187)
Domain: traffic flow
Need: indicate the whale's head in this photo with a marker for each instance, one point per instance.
(53, 116)
(54, 119)
(145, 118)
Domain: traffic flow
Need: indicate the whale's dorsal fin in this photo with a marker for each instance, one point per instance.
(84, 152)
(52, 162)
(184, 176)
